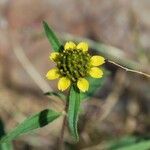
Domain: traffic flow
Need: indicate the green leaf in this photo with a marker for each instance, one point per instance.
(56, 45)
(73, 111)
(58, 94)
(129, 143)
(4, 146)
(36, 121)
(117, 143)
(144, 145)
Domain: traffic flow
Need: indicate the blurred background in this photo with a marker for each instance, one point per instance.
(120, 108)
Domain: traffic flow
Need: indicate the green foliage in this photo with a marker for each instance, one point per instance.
(115, 144)
(36, 121)
(4, 146)
(144, 145)
(129, 143)
(56, 45)
(73, 111)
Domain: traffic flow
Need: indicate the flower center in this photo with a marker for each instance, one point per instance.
(73, 64)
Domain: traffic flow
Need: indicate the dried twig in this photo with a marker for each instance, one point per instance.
(129, 70)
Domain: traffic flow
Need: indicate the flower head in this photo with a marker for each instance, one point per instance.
(73, 65)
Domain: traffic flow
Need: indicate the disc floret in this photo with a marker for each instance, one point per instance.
(73, 64)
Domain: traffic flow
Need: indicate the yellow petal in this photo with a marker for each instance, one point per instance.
(53, 55)
(63, 83)
(52, 74)
(70, 45)
(83, 46)
(83, 84)
(97, 60)
(95, 72)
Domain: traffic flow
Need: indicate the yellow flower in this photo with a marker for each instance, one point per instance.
(73, 65)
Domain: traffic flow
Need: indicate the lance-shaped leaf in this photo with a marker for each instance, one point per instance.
(73, 111)
(55, 43)
(4, 146)
(36, 121)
